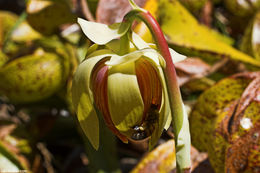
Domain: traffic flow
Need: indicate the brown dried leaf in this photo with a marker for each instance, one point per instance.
(248, 96)
(197, 157)
(6, 130)
(113, 11)
(191, 68)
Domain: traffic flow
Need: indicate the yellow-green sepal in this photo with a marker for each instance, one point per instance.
(133, 56)
(100, 33)
(141, 44)
(82, 97)
(183, 142)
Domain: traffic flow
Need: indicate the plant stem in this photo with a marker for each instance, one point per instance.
(180, 121)
(124, 45)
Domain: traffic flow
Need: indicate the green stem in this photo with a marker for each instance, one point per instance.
(124, 45)
(180, 121)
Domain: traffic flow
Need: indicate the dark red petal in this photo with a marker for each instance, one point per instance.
(98, 85)
(149, 84)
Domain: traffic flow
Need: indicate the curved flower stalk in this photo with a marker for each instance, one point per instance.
(132, 84)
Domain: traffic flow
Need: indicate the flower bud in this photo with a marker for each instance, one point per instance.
(128, 90)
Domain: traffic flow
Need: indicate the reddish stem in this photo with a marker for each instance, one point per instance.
(173, 89)
(170, 72)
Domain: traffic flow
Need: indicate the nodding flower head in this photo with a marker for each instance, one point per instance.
(127, 89)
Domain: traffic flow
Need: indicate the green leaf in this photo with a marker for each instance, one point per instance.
(100, 33)
(188, 37)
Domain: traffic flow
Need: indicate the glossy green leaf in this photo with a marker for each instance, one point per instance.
(188, 37)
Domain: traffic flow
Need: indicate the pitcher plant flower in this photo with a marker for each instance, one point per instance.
(131, 84)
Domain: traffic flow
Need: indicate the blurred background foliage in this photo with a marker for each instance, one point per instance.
(42, 45)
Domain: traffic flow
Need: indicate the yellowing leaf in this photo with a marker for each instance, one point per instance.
(188, 37)
(160, 160)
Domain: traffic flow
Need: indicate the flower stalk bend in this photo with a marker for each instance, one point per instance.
(131, 85)
(180, 120)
